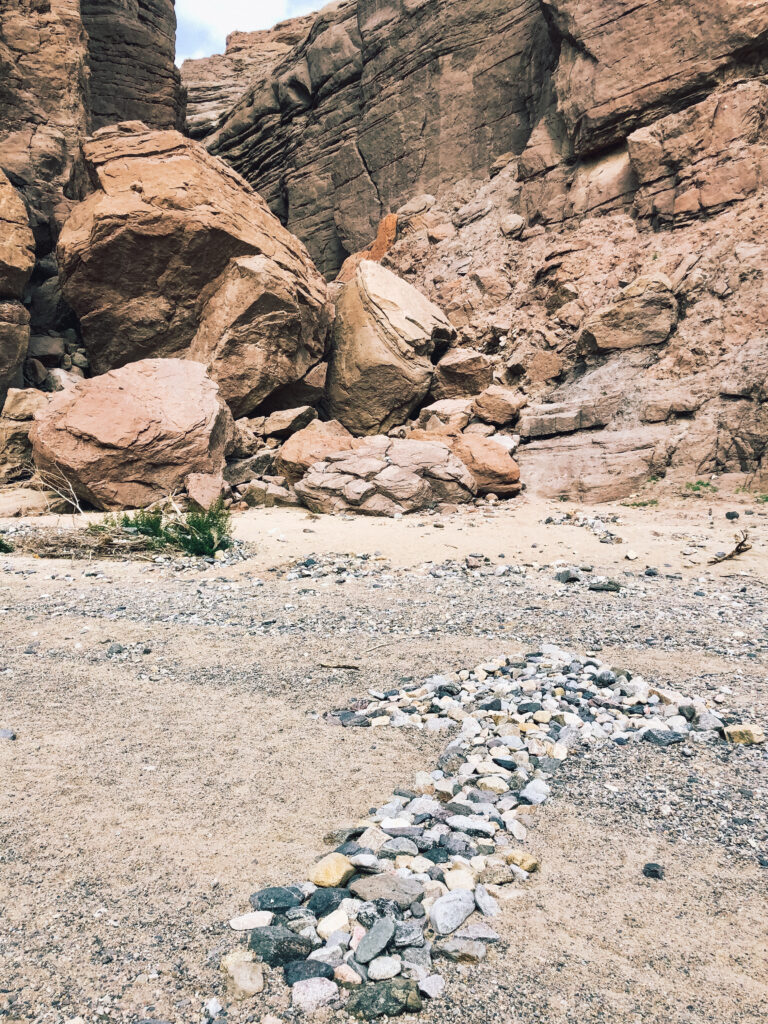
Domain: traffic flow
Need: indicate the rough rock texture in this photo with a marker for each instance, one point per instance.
(67, 67)
(384, 476)
(490, 463)
(310, 445)
(175, 254)
(461, 373)
(134, 435)
(17, 259)
(215, 84)
(131, 51)
(384, 335)
(382, 100)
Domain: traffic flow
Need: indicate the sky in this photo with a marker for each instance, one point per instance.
(205, 24)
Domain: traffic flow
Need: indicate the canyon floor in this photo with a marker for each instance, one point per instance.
(170, 758)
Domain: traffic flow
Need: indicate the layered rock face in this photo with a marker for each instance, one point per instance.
(132, 436)
(68, 67)
(381, 100)
(174, 254)
(215, 84)
(131, 52)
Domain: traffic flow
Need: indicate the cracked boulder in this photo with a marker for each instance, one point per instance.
(382, 477)
(384, 336)
(175, 255)
(132, 436)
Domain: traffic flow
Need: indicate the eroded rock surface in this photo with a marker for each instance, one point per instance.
(133, 435)
(384, 335)
(384, 477)
(174, 254)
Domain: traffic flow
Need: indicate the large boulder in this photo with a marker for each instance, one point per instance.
(133, 435)
(175, 255)
(384, 336)
(382, 477)
(14, 339)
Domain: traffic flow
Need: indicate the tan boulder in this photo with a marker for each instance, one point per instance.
(134, 435)
(382, 477)
(490, 463)
(23, 403)
(645, 313)
(384, 335)
(204, 489)
(17, 244)
(499, 405)
(174, 254)
(450, 413)
(462, 373)
(312, 444)
(289, 421)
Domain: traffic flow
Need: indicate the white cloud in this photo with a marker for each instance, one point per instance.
(205, 24)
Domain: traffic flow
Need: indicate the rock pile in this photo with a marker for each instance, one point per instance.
(414, 885)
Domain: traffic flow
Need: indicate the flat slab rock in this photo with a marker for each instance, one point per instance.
(404, 891)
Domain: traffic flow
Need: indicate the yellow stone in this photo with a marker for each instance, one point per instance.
(459, 878)
(332, 871)
(523, 860)
(744, 734)
(544, 717)
(334, 922)
(493, 784)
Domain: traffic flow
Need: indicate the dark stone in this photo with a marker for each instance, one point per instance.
(605, 586)
(303, 970)
(688, 712)
(438, 855)
(491, 705)
(386, 999)
(662, 738)
(418, 911)
(653, 871)
(324, 901)
(528, 708)
(731, 515)
(279, 897)
(278, 946)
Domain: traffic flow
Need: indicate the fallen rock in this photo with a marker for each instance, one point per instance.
(384, 335)
(245, 977)
(134, 435)
(462, 373)
(645, 313)
(289, 421)
(451, 413)
(276, 945)
(499, 405)
(385, 476)
(204, 489)
(332, 871)
(308, 996)
(492, 467)
(15, 451)
(23, 403)
(744, 734)
(312, 444)
(17, 243)
(449, 912)
(174, 254)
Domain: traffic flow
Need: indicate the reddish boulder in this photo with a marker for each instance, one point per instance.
(499, 405)
(134, 435)
(461, 373)
(310, 445)
(174, 254)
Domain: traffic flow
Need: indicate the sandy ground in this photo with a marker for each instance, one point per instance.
(151, 790)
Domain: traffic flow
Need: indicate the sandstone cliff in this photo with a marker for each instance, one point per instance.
(215, 84)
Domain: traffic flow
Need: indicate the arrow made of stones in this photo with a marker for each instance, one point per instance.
(418, 880)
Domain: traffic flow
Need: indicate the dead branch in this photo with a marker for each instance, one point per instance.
(742, 546)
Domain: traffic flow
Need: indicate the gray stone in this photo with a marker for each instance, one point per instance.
(310, 995)
(450, 912)
(376, 940)
(486, 904)
(463, 951)
(402, 891)
(432, 987)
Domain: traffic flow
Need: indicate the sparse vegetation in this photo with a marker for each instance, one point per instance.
(5, 546)
(650, 503)
(762, 499)
(197, 531)
(700, 487)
